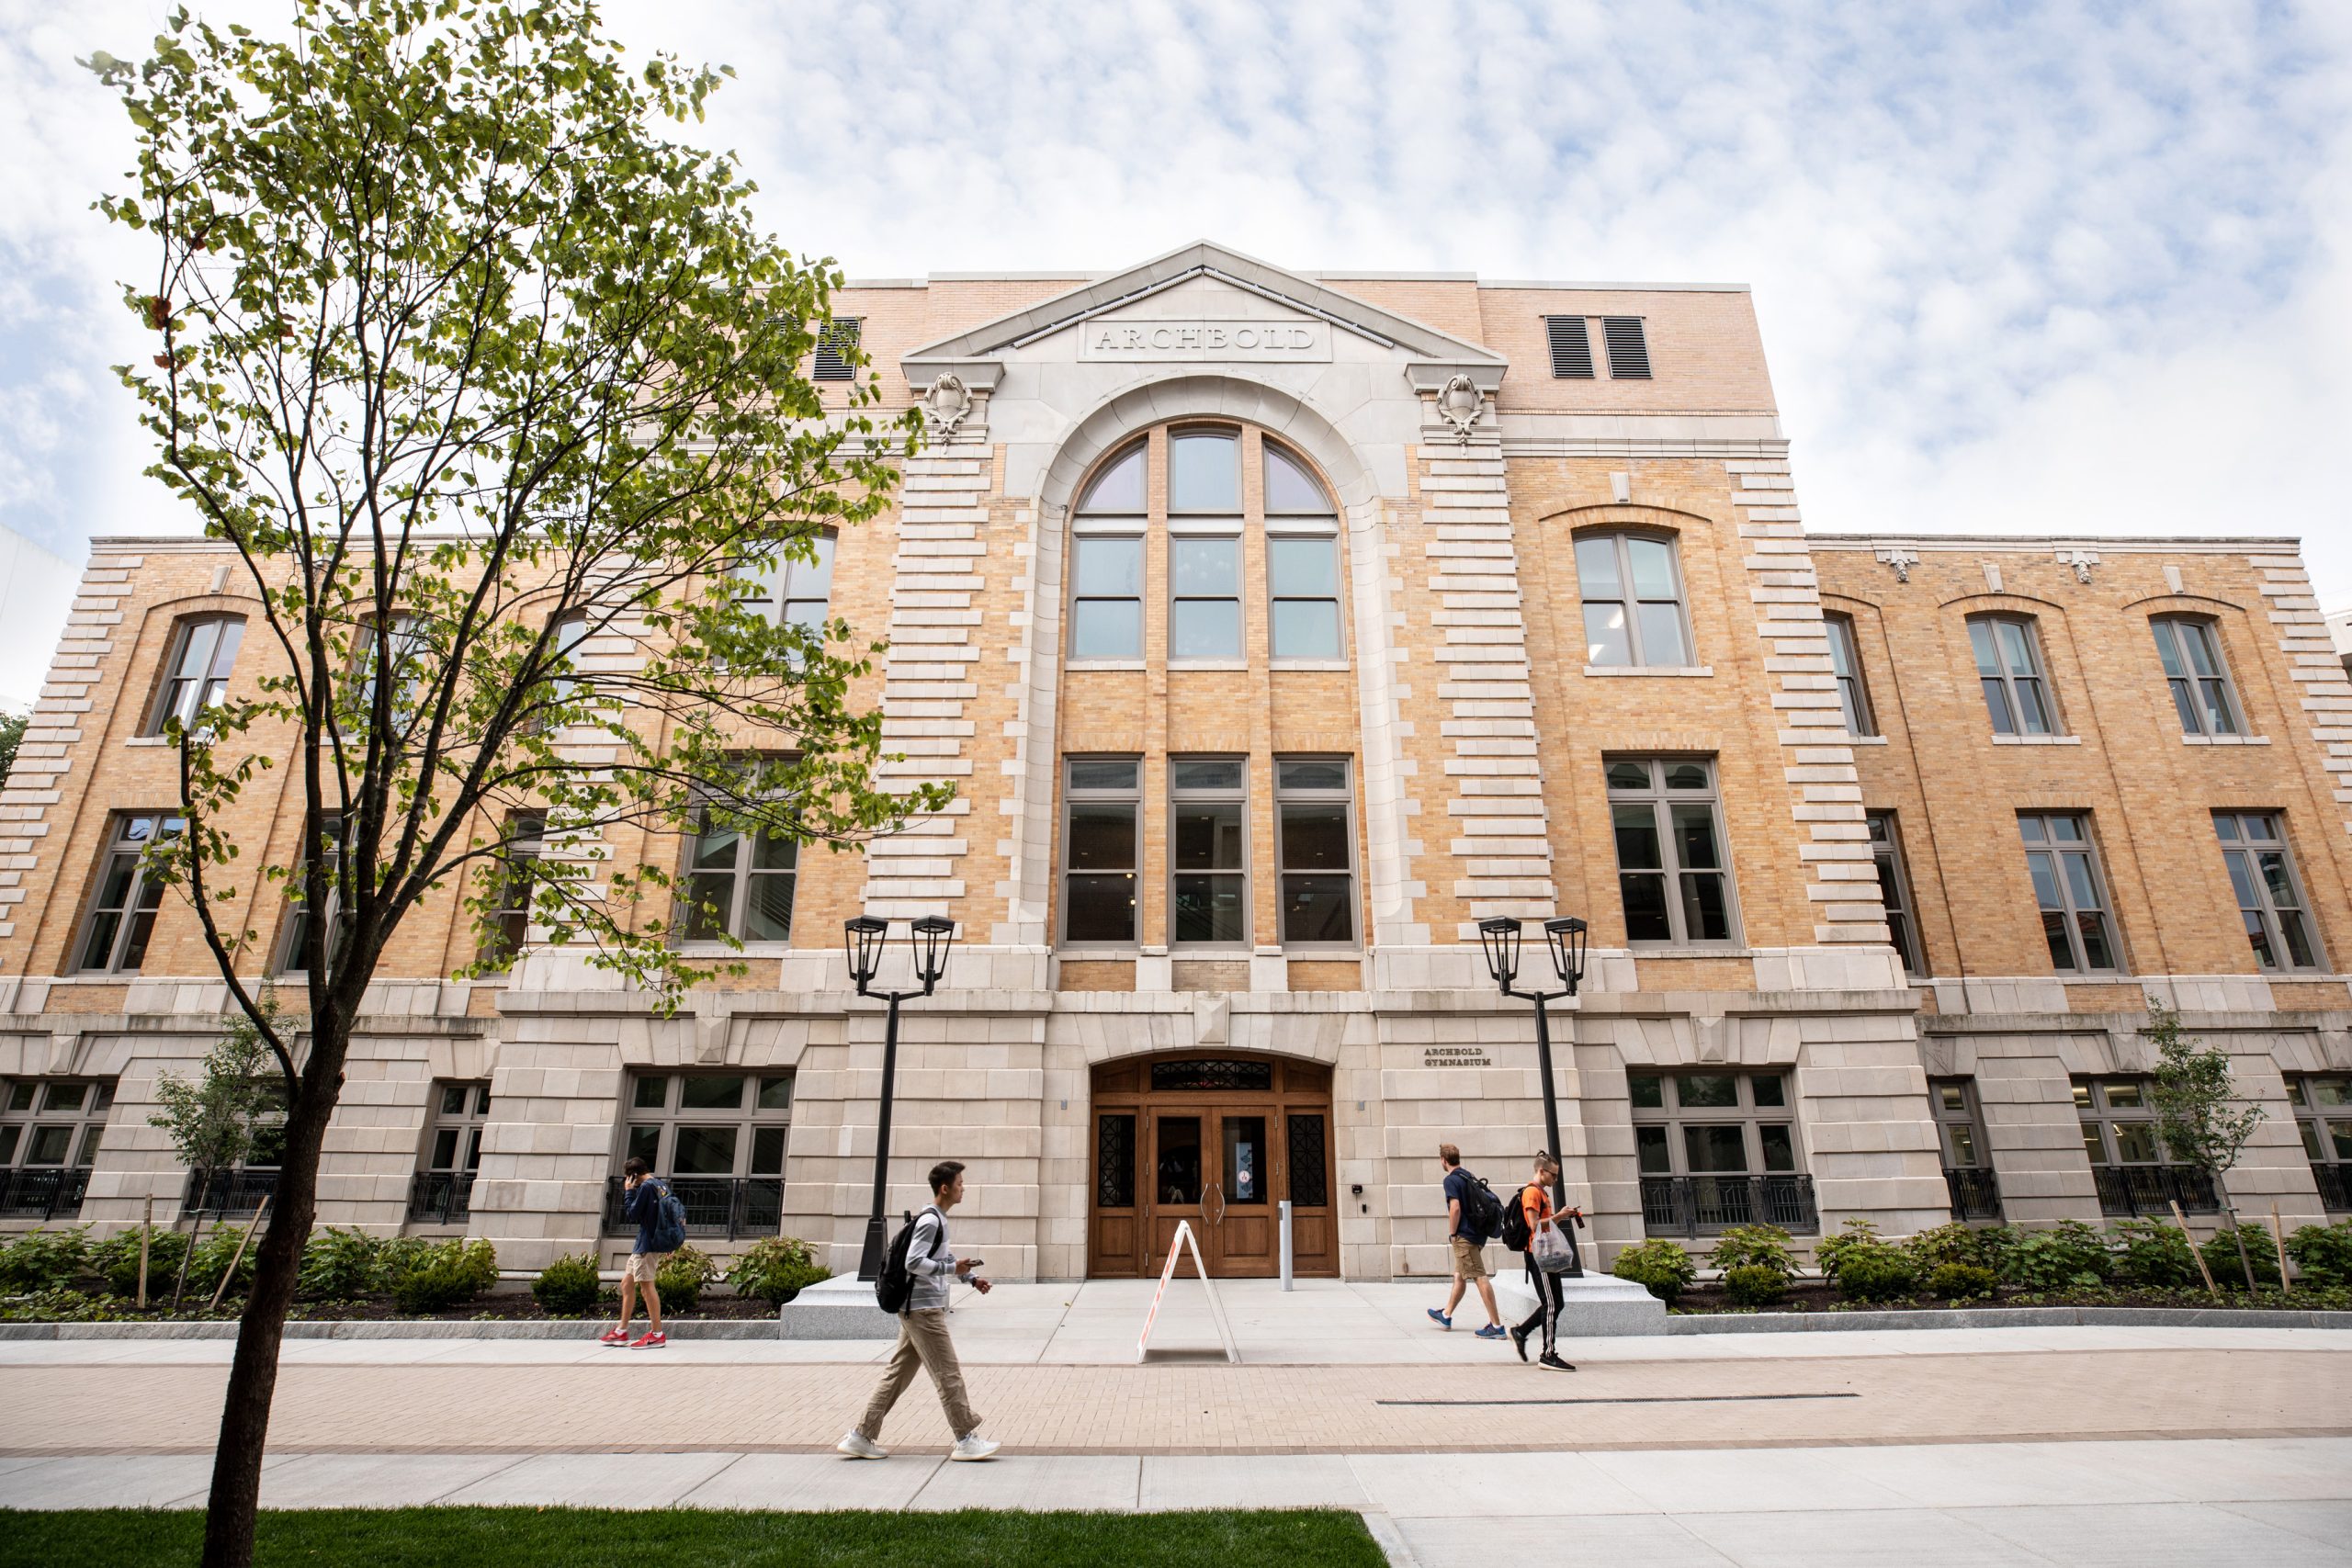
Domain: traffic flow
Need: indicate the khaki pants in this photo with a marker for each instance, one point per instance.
(922, 1341)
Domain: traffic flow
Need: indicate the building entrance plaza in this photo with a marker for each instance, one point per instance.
(1275, 628)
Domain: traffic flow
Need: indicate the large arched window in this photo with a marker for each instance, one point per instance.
(1106, 562)
(1302, 562)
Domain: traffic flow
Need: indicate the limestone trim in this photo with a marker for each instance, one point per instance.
(2317, 669)
(1818, 759)
(57, 723)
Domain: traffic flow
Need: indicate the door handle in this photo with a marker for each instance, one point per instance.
(1217, 1188)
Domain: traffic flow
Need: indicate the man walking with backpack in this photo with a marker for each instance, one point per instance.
(661, 1222)
(914, 1284)
(1473, 1214)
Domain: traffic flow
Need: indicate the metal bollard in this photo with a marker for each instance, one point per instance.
(1285, 1244)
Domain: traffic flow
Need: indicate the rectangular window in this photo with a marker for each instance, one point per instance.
(1314, 827)
(2324, 1113)
(1717, 1148)
(1208, 850)
(1303, 580)
(1102, 848)
(720, 1138)
(1107, 596)
(123, 905)
(739, 883)
(2191, 655)
(2118, 1120)
(2271, 896)
(1853, 696)
(293, 951)
(525, 841)
(405, 645)
(1632, 601)
(1894, 889)
(1672, 871)
(1571, 347)
(50, 1123)
(1629, 349)
(1205, 595)
(2008, 668)
(1954, 1101)
(837, 345)
(204, 649)
(2064, 864)
(453, 1135)
(787, 592)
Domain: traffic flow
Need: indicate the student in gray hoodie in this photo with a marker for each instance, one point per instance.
(923, 1331)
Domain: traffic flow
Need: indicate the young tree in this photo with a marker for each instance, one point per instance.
(212, 1121)
(12, 734)
(486, 383)
(2198, 1114)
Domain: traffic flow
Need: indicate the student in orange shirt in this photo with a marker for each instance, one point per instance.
(1535, 1202)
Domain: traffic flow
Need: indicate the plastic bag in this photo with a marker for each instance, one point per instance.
(1553, 1251)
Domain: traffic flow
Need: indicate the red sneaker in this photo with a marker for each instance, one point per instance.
(653, 1341)
(614, 1337)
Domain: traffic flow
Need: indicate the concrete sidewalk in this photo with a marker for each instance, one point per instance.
(2282, 1503)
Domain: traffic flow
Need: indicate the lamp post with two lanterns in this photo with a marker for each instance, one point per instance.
(929, 936)
(1565, 938)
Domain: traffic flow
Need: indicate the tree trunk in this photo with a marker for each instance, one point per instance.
(236, 1502)
(2238, 1230)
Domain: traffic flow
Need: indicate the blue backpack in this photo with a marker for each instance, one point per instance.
(668, 1218)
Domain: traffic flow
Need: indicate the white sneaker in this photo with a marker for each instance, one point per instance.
(971, 1445)
(857, 1445)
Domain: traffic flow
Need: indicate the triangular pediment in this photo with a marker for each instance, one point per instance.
(1202, 278)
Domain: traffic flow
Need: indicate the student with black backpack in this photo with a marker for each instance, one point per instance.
(914, 1284)
(1473, 1216)
(1526, 1222)
(661, 1222)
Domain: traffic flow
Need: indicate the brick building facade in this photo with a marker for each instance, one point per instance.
(1275, 630)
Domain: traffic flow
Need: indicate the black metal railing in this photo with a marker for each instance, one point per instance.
(229, 1191)
(2334, 1185)
(2153, 1189)
(729, 1206)
(440, 1197)
(1975, 1195)
(1690, 1205)
(43, 1191)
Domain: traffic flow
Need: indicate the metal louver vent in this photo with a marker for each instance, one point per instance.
(1629, 351)
(1571, 346)
(835, 342)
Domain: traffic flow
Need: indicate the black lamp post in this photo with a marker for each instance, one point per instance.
(929, 938)
(1566, 937)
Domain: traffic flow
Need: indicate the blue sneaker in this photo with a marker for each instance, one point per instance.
(1493, 1331)
(1441, 1319)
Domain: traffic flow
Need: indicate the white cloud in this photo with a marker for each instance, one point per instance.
(2083, 270)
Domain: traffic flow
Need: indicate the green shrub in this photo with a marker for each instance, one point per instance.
(211, 1262)
(446, 1274)
(1975, 1246)
(775, 1269)
(2323, 1254)
(1857, 1232)
(682, 1276)
(398, 1257)
(115, 1261)
(2155, 1255)
(1877, 1271)
(339, 1266)
(567, 1287)
(1958, 1281)
(2070, 1255)
(1659, 1266)
(1753, 1285)
(2220, 1252)
(44, 1261)
(63, 1306)
(1755, 1246)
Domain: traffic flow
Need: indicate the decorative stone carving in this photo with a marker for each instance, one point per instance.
(1459, 404)
(949, 404)
(1901, 558)
(2081, 561)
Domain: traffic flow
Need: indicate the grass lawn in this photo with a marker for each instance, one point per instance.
(595, 1538)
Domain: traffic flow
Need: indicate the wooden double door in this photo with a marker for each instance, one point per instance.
(1220, 1142)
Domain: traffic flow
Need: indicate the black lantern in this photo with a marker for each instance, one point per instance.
(1566, 936)
(1500, 936)
(932, 936)
(863, 937)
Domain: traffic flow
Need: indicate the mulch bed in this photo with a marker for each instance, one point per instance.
(1817, 1297)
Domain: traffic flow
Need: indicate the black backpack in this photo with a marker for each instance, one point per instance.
(895, 1288)
(1484, 1211)
(1513, 1231)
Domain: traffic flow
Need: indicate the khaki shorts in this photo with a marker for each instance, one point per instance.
(1469, 1258)
(642, 1266)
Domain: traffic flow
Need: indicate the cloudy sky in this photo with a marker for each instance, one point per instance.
(2065, 268)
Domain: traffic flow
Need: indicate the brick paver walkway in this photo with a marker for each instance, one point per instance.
(638, 1402)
